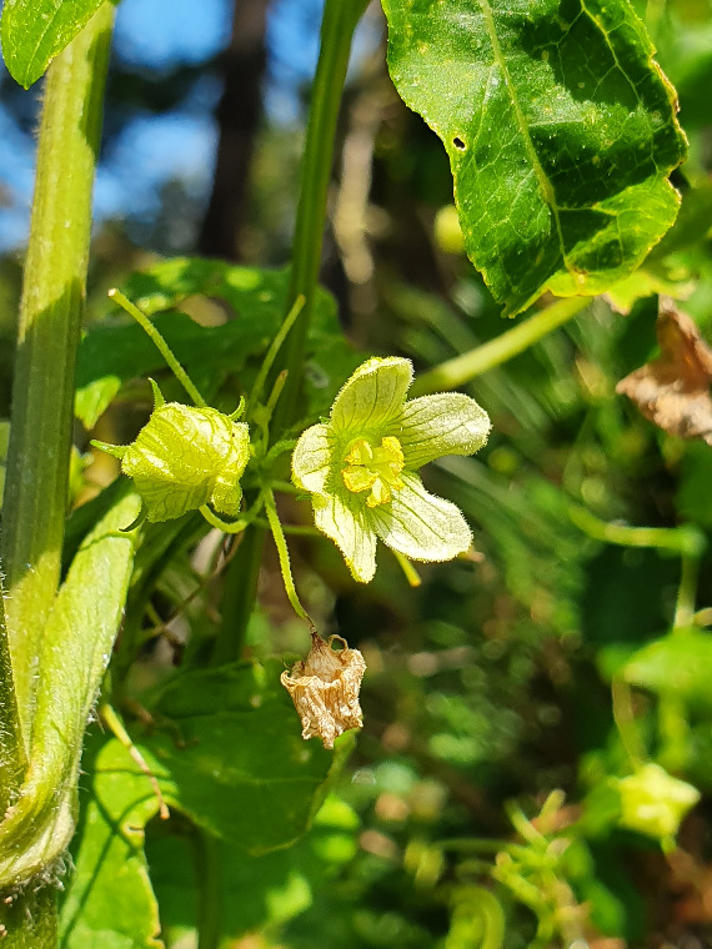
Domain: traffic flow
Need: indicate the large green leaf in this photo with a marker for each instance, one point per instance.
(231, 759)
(76, 648)
(111, 354)
(256, 893)
(35, 31)
(560, 129)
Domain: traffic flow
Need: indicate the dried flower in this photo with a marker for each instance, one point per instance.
(360, 466)
(325, 689)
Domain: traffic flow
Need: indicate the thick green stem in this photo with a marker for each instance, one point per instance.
(35, 502)
(338, 24)
(12, 748)
(461, 369)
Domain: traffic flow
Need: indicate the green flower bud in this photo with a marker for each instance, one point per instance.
(185, 457)
(654, 803)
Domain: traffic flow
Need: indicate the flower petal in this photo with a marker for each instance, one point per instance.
(420, 525)
(349, 530)
(374, 394)
(311, 459)
(449, 423)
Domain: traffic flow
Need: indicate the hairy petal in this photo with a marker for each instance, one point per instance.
(449, 423)
(311, 459)
(350, 532)
(372, 396)
(421, 525)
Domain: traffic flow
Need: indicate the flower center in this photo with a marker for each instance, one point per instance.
(374, 468)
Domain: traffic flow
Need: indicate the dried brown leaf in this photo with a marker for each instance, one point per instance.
(673, 390)
(325, 689)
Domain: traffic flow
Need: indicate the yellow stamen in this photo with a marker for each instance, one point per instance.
(374, 468)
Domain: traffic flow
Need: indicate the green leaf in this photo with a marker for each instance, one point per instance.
(112, 354)
(232, 761)
(677, 664)
(560, 129)
(76, 648)
(257, 893)
(239, 768)
(109, 901)
(35, 31)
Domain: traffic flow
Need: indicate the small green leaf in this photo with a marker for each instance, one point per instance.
(677, 664)
(560, 129)
(35, 31)
(76, 648)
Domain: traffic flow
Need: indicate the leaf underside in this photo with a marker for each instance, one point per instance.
(35, 31)
(560, 130)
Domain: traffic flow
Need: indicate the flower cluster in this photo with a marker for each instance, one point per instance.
(360, 466)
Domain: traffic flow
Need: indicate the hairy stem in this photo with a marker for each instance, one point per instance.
(461, 369)
(50, 315)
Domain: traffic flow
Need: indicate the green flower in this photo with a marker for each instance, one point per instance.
(654, 803)
(184, 458)
(360, 466)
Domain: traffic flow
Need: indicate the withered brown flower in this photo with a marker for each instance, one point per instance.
(325, 689)
(673, 390)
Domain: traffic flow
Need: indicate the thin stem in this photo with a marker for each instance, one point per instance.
(411, 574)
(271, 353)
(208, 863)
(686, 592)
(284, 562)
(624, 717)
(48, 335)
(455, 372)
(337, 27)
(113, 722)
(685, 539)
(338, 24)
(161, 345)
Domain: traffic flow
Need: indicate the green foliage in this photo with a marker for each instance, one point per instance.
(228, 756)
(76, 649)
(35, 31)
(561, 133)
(111, 355)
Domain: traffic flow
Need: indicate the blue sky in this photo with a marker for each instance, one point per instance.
(152, 150)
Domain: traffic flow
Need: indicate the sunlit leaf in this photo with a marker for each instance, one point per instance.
(35, 31)
(560, 129)
(112, 354)
(76, 648)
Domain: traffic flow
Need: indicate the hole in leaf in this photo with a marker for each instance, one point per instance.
(458, 143)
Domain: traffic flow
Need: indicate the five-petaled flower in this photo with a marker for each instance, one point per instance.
(360, 466)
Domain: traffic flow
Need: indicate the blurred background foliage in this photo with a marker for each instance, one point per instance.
(483, 801)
